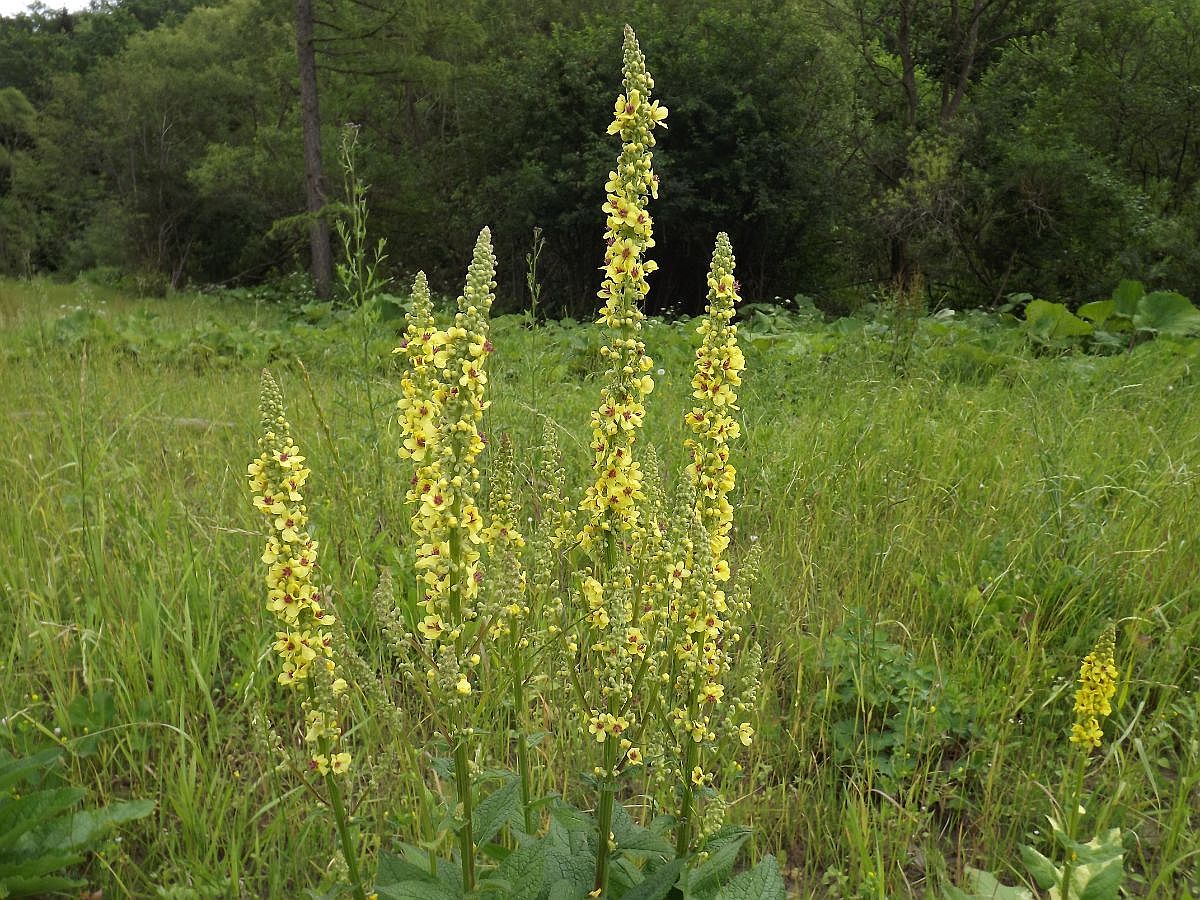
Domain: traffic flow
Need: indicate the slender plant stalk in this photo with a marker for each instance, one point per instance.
(340, 819)
(1074, 790)
(687, 806)
(339, 816)
(466, 835)
(604, 814)
(521, 714)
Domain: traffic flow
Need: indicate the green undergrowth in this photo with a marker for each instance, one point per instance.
(942, 545)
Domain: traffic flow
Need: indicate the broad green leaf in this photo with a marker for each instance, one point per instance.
(501, 807)
(90, 825)
(631, 836)
(1042, 869)
(20, 768)
(416, 890)
(1098, 311)
(578, 867)
(45, 863)
(658, 884)
(705, 877)
(38, 886)
(1169, 313)
(525, 872)
(394, 869)
(1126, 297)
(1052, 322)
(564, 889)
(1103, 880)
(763, 882)
(986, 886)
(27, 813)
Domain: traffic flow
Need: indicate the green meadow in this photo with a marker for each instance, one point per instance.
(943, 541)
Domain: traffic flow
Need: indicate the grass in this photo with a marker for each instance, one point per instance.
(941, 549)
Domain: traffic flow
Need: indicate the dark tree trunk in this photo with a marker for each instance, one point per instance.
(321, 262)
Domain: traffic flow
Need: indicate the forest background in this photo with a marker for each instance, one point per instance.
(993, 146)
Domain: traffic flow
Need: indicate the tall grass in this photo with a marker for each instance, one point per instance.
(989, 525)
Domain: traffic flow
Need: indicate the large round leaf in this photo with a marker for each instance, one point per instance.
(1052, 322)
(1169, 313)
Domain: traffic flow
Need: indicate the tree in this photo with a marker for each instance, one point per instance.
(320, 250)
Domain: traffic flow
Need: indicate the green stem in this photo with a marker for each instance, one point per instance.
(683, 833)
(341, 820)
(604, 814)
(520, 714)
(339, 816)
(1074, 793)
(466, 836)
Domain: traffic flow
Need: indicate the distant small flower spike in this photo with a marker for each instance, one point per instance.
(1097, 686)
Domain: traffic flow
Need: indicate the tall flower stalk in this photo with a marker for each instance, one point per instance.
(441, 412)
(611, 501)
(710, 704)
(303, 643)
(1093, 704)
(718, 369)
(610, 639)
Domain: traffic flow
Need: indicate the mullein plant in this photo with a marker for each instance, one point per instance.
(1094, 869)
(609, 638)
(713, 695)
(304, 641)
(441, 410)
(1093, 704)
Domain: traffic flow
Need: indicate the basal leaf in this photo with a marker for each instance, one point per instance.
(658, 884)
(986, 886)
(525, 872)
(705, 877)
(415, 890)
(501, 807)
(395, 869)
(1042, 869)
(763, 882)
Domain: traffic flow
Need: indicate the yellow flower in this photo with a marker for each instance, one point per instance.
(598, 728)
(1097, 686)
(339, 763)
(698, 777)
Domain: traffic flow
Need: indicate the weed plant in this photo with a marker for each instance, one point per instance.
(936, 549)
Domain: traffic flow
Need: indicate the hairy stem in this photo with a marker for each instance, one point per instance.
(604, 816)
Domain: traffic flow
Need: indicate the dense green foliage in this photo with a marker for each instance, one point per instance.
(992, 147)
(942, 545)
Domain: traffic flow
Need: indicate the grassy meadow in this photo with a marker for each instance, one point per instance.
(943, 542)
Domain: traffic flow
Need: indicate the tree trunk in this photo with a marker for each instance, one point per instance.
(321, 262)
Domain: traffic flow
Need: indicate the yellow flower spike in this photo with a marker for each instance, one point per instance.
(1097, 686)
(276, 477)
(612, 501)
(718, 367)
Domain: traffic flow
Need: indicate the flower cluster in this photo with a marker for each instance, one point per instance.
(719, 364)
(424, 350)
(304, 642)
(612, 500)
(1097, 686)
(441, 411)
(707, 639)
